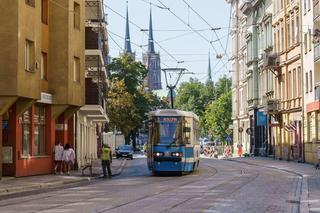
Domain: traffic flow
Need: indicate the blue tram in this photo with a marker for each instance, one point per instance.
(173, 144)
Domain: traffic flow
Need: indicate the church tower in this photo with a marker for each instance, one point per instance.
(152, 60)
(127, 42)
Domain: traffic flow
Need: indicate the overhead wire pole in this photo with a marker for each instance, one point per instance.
(173, 85)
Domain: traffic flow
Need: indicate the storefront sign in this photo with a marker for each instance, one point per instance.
(7, 154)
(261, 119)
(61, 127)
(46, 98)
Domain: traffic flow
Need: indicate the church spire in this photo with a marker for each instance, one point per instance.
(150, 43)
(209, 70)
(127, 44)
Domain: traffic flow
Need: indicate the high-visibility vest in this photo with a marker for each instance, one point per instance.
(105, 153)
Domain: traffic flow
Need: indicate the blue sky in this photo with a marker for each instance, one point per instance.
(173, 35)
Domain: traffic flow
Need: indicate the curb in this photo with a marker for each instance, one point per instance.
(301, 193)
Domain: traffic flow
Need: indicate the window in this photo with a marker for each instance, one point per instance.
(307, 84)
(297, 37)
(293, 35)
(44, 66)
(294, 83)
(44, 11)
(288, 34)
(282, 38)
(305, 42)
(76, 15)
(39, 130)
(289, 85)
(305, 6)
(310, 76)
(299, 83)
(26, 130)
(29, 57)
(310, 39)
(30, 3)
(76, 69)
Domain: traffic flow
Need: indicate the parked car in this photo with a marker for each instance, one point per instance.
(124, 151)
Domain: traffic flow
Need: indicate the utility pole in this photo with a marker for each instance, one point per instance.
(172, 85)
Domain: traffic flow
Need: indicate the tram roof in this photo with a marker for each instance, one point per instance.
(173, 112)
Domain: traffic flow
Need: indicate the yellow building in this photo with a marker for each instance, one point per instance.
(287, 126)
(41, 80)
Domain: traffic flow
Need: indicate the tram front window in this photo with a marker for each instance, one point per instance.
(169, 131)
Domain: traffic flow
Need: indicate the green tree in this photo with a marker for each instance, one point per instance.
(217, 116)
(121, 108)
(222, 86)
(134, 101)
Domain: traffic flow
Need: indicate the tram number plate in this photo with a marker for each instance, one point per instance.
(167, 154)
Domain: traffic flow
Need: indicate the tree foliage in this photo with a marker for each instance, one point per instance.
(218, 116)
(129, 103)
(198, 97)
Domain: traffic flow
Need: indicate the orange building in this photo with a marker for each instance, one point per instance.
(41, 81)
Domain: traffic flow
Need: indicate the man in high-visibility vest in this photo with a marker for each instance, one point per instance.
(106, 160)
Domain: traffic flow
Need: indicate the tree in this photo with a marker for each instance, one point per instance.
(193, 96)
(222, 86)
(130, 71)
(217, 116)
(121, 110)
(129, 103)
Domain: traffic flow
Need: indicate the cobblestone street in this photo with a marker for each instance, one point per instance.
(240, 185)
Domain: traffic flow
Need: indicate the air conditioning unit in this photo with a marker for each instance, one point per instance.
(271, 61)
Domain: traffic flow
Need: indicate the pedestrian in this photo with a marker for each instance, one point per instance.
(68, 157)
(240, 149)
(106, 160)
(58, 152)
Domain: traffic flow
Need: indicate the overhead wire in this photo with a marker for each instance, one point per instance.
(141, 29)
(224, 63)
(203, 19)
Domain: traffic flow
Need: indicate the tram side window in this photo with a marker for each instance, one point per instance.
(188, 131)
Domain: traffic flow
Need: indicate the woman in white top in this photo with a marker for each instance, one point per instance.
(58, 152)
(68, 157)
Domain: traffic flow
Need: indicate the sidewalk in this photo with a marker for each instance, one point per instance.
(310, 178)
(11, 185)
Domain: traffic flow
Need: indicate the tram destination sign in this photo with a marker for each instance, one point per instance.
(169, 119)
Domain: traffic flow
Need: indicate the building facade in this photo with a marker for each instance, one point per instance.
(240, 115)
(43, 59)
(92, 117)
(311, 78)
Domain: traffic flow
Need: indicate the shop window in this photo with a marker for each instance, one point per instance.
(26, 130)
(39, 130)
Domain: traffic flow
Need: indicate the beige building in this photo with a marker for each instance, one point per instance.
(286, 106)
(41, 80)
(92, 118)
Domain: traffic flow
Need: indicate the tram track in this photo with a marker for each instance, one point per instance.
(160, 192)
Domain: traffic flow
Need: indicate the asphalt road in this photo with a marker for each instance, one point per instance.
(218, 186)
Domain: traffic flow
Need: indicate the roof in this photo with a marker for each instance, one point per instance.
(173, 112)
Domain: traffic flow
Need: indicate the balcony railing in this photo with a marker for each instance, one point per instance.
(317, 52)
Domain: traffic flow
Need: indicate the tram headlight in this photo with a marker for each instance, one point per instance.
(176, 154)
(158, 154)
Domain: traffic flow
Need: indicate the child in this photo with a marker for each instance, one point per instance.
(58, 152)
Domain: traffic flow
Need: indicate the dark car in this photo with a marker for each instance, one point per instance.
(124, 151)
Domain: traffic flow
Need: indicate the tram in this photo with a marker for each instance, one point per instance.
(173, 144)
